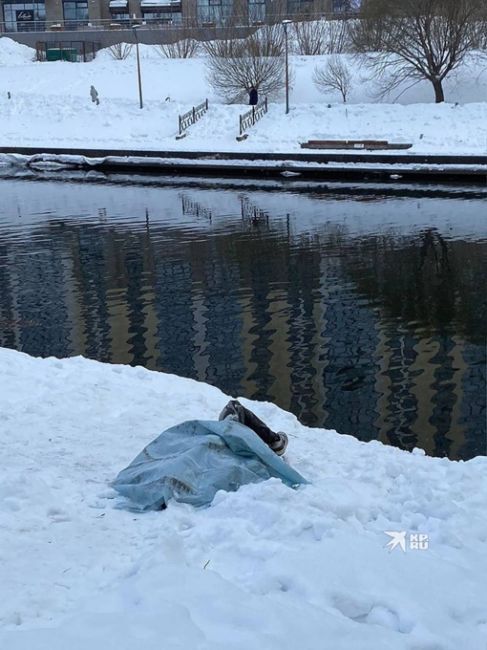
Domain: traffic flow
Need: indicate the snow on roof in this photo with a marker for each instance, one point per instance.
(114, 4)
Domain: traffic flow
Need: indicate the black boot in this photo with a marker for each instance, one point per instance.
(234, 410)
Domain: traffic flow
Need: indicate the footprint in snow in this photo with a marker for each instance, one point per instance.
(361, 610)
(57, 515)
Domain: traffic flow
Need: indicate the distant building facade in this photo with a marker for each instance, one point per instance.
(67, 15)
(77, 14)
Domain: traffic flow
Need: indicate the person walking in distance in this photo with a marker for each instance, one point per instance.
(253, 96)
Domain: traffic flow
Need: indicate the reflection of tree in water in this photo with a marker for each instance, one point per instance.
(427, 287)
(429, 244)
(427, 282)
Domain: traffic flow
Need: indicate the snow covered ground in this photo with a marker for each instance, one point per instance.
(50, 105)
(265, 567)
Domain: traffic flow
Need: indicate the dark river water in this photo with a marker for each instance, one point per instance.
(360, 309)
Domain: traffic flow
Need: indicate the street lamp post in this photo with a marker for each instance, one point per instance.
(139, 76)
(285, 24)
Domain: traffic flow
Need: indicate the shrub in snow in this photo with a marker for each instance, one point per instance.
(334, 77)
(235, 66)
(315, 37)
(184, 48)
(120, 51)
(310, 37)
(483, 36)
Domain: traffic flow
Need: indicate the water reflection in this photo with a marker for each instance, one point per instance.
(363, 313)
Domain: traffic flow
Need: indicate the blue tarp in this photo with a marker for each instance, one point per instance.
(193, 460)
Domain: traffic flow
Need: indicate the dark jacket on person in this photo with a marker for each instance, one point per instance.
(253, 97)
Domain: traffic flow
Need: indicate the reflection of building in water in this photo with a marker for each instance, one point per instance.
(91, 254)
(174, 309)
(422, 372)
(473, 397)
(258, 311)
(303, 287)
(281, 388)
(223, 326)
(399, 348)
(10, 327)
(37, 299)
(351, 362)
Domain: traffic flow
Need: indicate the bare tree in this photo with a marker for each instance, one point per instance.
(310, 37)
(338, 37)
(266, 41)
(335, 76)
(483, 33)
(235, 66)
(417, 39)
(120, 51)
(222, 48)
(183, 43)
(184, 48)
(320, 36)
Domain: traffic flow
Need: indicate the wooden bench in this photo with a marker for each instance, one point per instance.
(368, 145)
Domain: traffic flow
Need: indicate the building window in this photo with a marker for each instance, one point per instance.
(256, 11)
(75, 13)
(214, 11)
(161, 12)
(161, 17)
(300, 7)
(345, 6)
(119, 10)
(23, 17)
(120, 17)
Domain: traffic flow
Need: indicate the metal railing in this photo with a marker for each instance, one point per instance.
(249, 118)
(113, 23)
(191, 117)
(171, 21)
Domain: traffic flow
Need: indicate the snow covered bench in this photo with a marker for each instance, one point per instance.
(354, 144)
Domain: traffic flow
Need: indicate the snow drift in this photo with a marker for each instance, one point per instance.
(264, 567)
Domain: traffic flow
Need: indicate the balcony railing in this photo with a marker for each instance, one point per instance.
(92, 25)
(170, 19)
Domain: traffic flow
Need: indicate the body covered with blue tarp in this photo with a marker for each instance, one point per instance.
(193, 460)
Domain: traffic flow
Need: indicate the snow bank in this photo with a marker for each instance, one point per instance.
(12, 53)
(265, 567)
(51, 105)
(146, 53)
